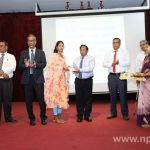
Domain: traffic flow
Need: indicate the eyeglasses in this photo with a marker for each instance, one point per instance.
(2, 45)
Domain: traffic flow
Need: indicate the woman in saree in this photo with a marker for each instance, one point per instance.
(143, 108)
(56, 83)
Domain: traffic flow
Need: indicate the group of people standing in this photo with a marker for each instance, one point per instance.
(52, 90)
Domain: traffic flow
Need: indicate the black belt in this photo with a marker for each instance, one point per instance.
(5, 79)
(115, 74)
(85, 79)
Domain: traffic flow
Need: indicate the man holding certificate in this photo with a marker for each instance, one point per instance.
(84, 66)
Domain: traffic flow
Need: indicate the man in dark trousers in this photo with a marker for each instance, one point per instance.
(7, 67)
(117, 61)
(32, 62)
(84, 66)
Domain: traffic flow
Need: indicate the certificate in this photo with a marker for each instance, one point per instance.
(72, 69)
(127, 75)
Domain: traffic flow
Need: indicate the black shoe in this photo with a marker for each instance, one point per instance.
(32, 122)
(79, 119)
(11, 120)
(88, 119)
(111, 116)
(43, 122)
(125, 117)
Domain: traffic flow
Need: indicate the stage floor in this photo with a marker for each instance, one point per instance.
(101, 134)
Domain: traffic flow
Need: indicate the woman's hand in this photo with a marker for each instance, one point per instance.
(146, 61)
(138, 74)
(66, 68)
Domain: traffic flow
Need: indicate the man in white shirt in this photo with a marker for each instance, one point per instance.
(117, 61)
(7, 67)
(84, 66)
(141, 55)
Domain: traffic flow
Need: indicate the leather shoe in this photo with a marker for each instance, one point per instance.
(125, 117)
(43, 122)
(111, 116)
(11, 120)
(88, 119)
(79, 119)
(32, 122)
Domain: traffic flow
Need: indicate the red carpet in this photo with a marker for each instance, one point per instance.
(97, 135)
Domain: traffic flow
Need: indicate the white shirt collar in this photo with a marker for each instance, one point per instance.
(34, 49)
(83, 56)
(3, 53)
(143, 52)
(116, 50)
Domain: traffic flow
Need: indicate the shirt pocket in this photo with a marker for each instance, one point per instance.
(6, 64)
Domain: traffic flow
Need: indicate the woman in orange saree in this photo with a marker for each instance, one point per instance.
(57, 83)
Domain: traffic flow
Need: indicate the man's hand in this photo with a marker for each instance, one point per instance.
(5, 76)
(33, 65)
(27, 62)
(115, 62)
(1, 72)
(77, 70)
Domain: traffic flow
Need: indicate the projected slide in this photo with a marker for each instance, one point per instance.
(97, 33)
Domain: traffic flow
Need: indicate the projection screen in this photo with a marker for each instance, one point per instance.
(97, 32)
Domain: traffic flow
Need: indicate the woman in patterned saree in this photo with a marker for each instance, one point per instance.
(143, 110)
(56, 83)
